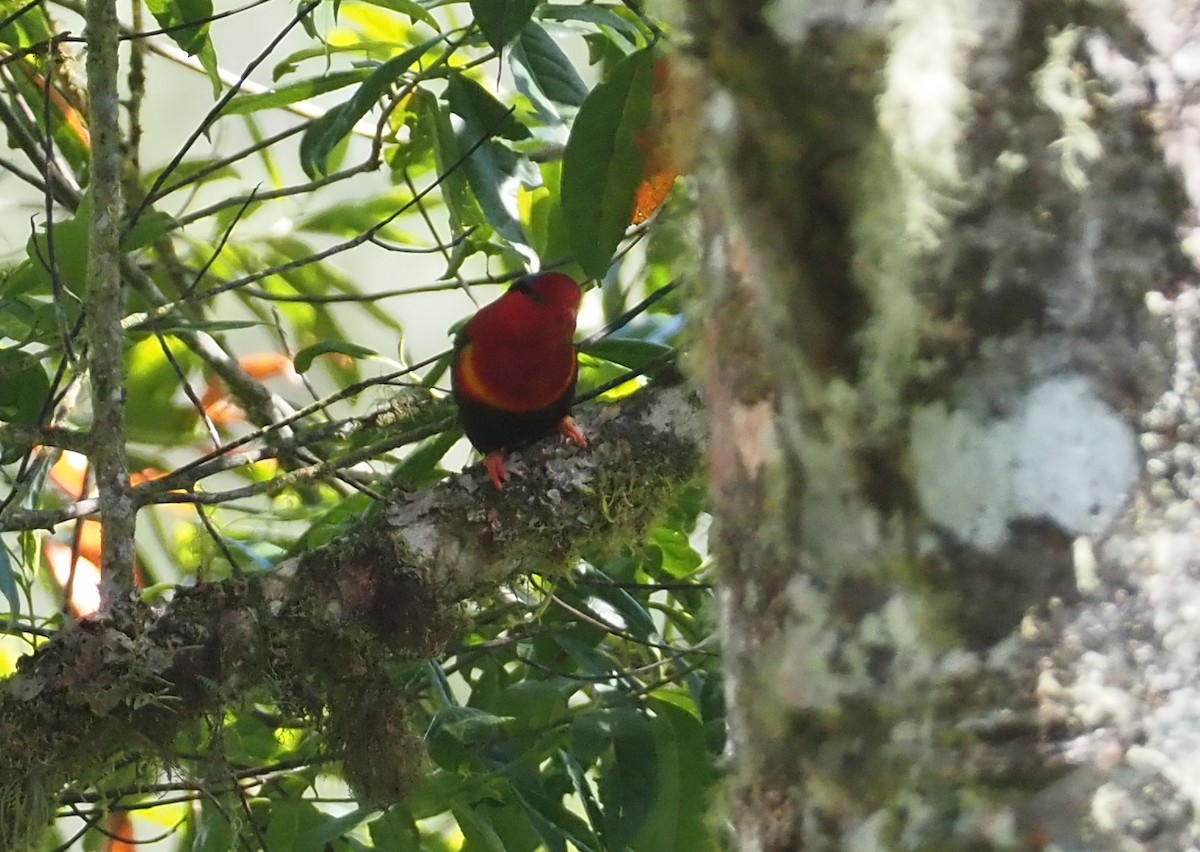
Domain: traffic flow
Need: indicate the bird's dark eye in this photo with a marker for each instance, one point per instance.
(525, 285)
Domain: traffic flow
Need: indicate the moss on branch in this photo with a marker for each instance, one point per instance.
(315, 632)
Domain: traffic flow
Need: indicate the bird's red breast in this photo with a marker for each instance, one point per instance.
(515, 365)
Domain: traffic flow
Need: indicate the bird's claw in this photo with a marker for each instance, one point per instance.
(494, 462)
(570, 431)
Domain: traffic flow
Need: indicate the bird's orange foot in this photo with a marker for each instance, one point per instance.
(494, 462)
(570, 431)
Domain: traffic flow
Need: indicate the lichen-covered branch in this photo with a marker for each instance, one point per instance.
(106, 340)
(316, 631)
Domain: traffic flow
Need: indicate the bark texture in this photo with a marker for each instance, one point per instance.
(950, 339)
(317, 633)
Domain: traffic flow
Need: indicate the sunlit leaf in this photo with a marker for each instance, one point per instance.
(411, 8)
(434, 125)
(327, 131)
(494, 171)
(608, 15)
(679, 557)
(298, 91)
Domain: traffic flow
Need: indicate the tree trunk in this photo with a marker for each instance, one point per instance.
(951, 340)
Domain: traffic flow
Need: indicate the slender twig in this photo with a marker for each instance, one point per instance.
(282, 192)
(18, 628)
(304, 109)
(156, 493)
(66, 191)
(230, 160)
(13, 434)
(346, 245)
(29, 177)
(51, 262)
(218, 108)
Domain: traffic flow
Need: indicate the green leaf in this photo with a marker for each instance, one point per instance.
(319, 836)
(597, 14)
(175, 324)
(351, 218)
(396, 831)
(305, 357)
(554, 822)
(478, 834)
(602, 165)
(152, 411)
(501, 20)
(583, 790)
(440, 789)
(289, 63)
(24, 387)
(627, 351)
(473, 103)
(8, 584)
(151, 226)
(679, 559)
(215, 831)
(208, 61)
(433, 124)
(629, 790)
(293, 92)
(678, 820)
(494, 172)
(547, 67)
(69, 251)
(470, 725)
(420, 467)
(328, 130)
(175, 15)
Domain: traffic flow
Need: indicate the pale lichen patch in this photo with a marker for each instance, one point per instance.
(1065, 455)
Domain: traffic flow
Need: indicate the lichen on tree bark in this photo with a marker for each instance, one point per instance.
(932, 231)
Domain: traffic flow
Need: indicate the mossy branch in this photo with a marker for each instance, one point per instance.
(317, 629)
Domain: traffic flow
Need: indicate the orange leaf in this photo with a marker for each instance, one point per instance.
(668, 144)
(146, 474)
(84, 592)
(267, 365)
(120, 837)
(70, 473)
(651, 192)
(91, 539)
(262, 365)
(73, 118)
(222, 412)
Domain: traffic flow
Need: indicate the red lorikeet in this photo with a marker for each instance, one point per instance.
(514, 369)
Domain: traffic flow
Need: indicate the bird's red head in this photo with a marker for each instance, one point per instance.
(539, 306)
(553, 291)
